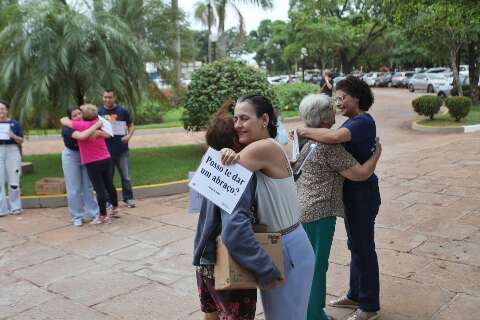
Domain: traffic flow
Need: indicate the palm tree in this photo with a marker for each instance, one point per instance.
(221, 6)
(54, 57)
(205, 13)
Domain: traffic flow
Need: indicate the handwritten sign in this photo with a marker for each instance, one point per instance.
(119, 128)
(4, 131)
(223, 185)
(194, 198)
(106, 126)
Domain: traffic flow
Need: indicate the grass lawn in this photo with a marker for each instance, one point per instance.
(171, 119)
(289, 114)
(148, 166)
(446, 120)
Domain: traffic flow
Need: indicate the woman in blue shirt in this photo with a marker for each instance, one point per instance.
(361, 199)
(11, 137)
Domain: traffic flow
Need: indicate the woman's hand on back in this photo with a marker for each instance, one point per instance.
(229, 157)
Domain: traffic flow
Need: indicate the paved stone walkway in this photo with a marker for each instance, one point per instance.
(139, 267)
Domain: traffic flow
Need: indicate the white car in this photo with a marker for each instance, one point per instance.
(445, 90)
(277, 80)
(372, 77)
(161, 84)
(427, 81)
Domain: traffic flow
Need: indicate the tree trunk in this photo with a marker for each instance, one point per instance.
(453, 51)
(473, 53)
(209, 22)
(176, 44)
(345, 63)
(222, 42)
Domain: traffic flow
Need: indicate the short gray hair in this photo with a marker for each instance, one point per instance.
(313, 109)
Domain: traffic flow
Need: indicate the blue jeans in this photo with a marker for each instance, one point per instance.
(361, 207)
(123, 164)
(80, 195)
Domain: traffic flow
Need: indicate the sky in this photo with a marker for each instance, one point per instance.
(253, 15)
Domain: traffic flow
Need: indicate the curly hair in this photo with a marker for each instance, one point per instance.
(359, 89)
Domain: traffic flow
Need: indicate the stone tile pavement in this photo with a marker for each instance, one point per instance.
(139, 267)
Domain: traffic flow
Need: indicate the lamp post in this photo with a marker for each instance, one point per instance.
(303, 54)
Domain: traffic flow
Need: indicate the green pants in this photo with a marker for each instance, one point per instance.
(320, 233)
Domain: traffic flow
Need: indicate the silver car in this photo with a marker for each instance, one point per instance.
(400, 79)
(427, 81)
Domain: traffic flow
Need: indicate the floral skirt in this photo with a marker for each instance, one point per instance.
(230, 304)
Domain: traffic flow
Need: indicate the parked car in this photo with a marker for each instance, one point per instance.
(444, 91)
(384, 80)
(372, 77)
(463, 69)
(337, 79)
(445, 71)
(277, 79)
(427, 81)
(400, 79)
(161, 84)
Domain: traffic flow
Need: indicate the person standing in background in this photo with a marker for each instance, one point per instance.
(123, 129)
(327, 87)
(10, 162)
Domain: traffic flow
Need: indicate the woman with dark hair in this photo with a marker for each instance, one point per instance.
(361, 198)
(10, 162)
(80, 195)
(277, 205)
(237, 234)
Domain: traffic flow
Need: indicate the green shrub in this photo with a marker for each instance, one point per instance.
(427, 105)
(215, 83)
(290, 95)
(458, 107)
(149, 112)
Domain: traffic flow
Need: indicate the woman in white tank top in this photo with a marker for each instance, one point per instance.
(277, 205)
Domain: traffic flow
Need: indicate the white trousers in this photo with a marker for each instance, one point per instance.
(10, 172)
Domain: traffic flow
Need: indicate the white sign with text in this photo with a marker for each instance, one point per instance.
(4, 131)
(223, 185)
(119, 128)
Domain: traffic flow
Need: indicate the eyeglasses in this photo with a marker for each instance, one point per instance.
(340, 99)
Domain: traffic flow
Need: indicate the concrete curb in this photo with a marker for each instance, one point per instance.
(450, 129)
(139, 192)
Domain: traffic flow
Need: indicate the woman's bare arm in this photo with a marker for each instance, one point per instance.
(66, 122)
(325, 135)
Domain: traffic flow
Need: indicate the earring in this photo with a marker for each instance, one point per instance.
(264, 125)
